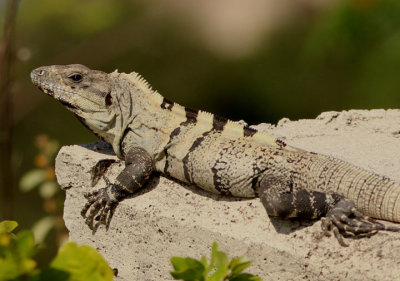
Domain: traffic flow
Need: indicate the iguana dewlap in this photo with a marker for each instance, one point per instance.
(153, 134)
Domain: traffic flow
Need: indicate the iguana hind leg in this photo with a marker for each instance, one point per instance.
(341, 216)
(102, 203)
(280, 198)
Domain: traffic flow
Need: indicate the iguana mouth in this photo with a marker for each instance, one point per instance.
(51, 93)
(46, 90)
(67, 104)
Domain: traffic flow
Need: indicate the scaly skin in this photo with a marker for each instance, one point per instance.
(152, 133)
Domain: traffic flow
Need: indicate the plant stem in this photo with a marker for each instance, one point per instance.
(6, 122)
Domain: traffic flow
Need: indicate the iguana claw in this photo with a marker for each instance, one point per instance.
(344, 220)
(101, 205)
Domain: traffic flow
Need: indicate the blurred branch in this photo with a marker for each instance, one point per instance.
(6, 60)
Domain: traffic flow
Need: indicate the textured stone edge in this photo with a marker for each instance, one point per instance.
(167, 219)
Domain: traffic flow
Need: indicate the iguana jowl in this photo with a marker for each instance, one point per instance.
(152, 134)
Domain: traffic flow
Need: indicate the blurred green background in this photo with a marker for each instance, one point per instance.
(258, 60)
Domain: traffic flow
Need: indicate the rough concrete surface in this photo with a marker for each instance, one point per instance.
(168, 219)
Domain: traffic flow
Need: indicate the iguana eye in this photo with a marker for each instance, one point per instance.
(76, 77)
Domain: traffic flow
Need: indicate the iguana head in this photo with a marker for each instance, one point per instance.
(87, 93)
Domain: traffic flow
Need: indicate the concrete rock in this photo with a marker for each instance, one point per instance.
(168, 219)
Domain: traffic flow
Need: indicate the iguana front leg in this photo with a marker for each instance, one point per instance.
(102, 203)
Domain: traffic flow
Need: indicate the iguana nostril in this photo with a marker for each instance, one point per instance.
(39, 72)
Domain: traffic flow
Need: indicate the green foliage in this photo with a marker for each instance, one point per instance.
(358, 42)
(75, 263)
(80, 18)
(16, 252)
(218, 269)
(42, 178)
(72, 263)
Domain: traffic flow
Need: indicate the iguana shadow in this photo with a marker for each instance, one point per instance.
(282, 226)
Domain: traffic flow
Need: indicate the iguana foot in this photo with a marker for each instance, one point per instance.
(101, 205)
(344, 220)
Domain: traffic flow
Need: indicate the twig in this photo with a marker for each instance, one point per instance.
(6, 61)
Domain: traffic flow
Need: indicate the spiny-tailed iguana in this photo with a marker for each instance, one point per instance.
(153, 134)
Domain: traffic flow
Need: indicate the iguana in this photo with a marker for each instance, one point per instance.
(154, 134)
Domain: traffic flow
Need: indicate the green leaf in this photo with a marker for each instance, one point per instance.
(81, 263)
(187, 269)
(239, 267)
(204, 261)
(207, 268)
(9, 268)
(234, 262)
(42, 227)
(15, 257)
(219, 260)
(7, 226)
(221, 265)
(214, 251)
(245, 277)
(31, 179)
(25, 244)
(52, 274)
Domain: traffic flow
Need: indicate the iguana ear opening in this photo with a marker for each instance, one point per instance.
(108, 99)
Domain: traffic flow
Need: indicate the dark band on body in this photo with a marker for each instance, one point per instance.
(249, 132)
(185, 159)
(221, 184)
(191, 114)
(219, 123)
(167, 104)
(222, 188)
(302, 204)
(173, 134)
(191, 117)
(313, 204)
